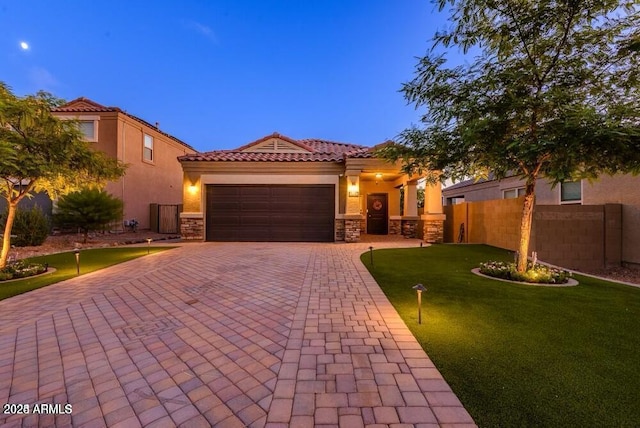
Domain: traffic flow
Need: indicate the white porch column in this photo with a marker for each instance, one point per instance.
(410, 200)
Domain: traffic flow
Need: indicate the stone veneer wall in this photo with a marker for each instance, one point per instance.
(395, 227)
(192, 228)
(339, 230)
(409, 228)
(352, 229)
(434, 231)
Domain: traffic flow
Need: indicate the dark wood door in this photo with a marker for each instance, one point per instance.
(286, 213)
(377, 214)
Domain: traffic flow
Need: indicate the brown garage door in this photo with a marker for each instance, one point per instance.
(286, 213)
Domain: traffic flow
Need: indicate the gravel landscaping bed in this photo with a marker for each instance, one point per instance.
(67, 242)
(624, 274)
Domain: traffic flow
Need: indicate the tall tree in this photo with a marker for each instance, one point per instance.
(43, 153)
(553, 92)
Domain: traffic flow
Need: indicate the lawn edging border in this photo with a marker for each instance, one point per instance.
(571, 283)
(47, 272)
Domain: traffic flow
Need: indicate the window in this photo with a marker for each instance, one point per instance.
(88, 129)
(571, 192)
(147, 152)
(513, 193)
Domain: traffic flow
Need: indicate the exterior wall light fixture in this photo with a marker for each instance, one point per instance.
(353, 186)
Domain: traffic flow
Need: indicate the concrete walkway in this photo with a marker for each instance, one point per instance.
(229, 335)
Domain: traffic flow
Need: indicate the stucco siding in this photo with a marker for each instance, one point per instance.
(144, 183)
(120, 136)
(484, 191)
(625, 190)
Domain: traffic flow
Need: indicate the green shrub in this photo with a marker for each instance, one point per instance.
(31, 227)
(87, 209)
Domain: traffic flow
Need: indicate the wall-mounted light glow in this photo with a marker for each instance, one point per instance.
(353, 186)
(193, 189)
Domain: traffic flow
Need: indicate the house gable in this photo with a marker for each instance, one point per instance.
(83, 104)
(276, 143)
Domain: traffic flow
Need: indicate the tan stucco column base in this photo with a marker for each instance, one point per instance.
(433, 228)
(192, 226)
(352, 228)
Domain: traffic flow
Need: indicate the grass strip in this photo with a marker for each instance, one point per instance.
(517, 354)
(65, 265)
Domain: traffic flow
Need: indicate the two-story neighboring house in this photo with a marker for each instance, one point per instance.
(153, 176)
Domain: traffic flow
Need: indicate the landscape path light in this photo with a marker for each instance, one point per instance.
(419, 289)
(371, 254)
(149, 245)
(77, 253)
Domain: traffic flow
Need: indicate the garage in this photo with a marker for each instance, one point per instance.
(285, 213)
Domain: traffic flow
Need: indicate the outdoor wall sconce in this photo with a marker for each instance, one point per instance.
(149, 245)
(353, 187)
(419, 289)
(77, 253)
(193, 189)
(378, 177)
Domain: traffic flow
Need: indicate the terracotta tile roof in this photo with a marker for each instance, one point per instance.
(85, 105)
(367, 152)
(316, 151)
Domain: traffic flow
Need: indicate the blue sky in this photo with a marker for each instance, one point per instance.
(219, 74)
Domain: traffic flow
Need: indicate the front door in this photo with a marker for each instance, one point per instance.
(377, 214)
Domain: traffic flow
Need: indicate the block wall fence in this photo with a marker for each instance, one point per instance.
(572, 236)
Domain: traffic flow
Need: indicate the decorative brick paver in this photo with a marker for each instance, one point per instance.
(237, 334)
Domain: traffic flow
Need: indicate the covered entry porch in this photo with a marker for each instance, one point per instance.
(378, 199)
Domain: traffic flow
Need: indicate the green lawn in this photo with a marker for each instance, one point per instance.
(515, 354)
(65, 265)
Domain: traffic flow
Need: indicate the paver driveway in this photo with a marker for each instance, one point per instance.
(234, 334)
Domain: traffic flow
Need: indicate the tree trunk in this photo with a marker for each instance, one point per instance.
(525, 226)
(6, 239)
